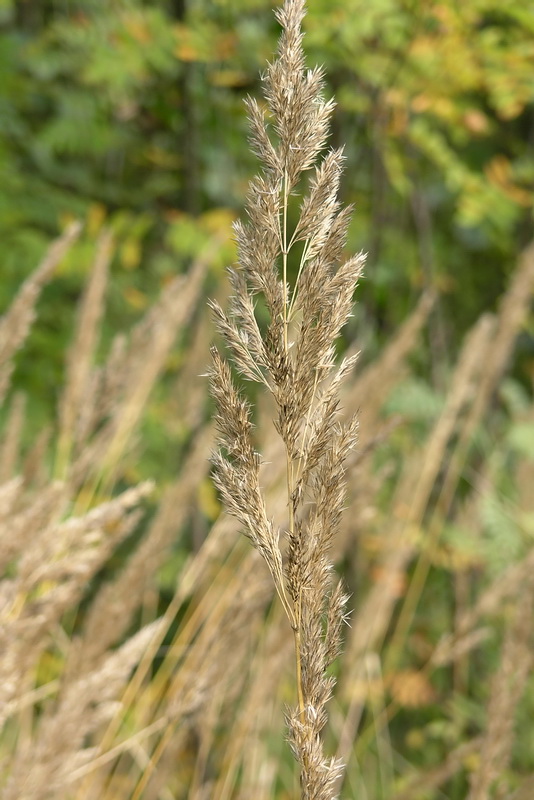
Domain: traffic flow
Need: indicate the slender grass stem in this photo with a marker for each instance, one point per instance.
(306, 430)
(303, 259)
(296, 615)
(284, 258)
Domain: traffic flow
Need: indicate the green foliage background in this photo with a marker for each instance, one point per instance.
(131, 112)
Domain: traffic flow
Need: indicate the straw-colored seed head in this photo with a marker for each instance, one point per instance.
(294, 359)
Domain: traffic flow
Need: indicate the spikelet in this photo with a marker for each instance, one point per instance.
(294, 359)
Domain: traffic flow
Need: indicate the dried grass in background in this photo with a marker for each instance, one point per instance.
(118, 688)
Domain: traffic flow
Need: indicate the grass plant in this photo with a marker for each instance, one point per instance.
(294, 360)
(146, 650)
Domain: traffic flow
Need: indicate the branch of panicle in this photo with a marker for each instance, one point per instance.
(295, 360)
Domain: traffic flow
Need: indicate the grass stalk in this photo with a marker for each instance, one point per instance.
(297, 366)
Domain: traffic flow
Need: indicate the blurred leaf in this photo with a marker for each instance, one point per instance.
(521, 438)
(414, 399)
(208, 501)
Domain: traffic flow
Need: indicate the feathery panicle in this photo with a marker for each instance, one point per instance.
(51, 575)
(112, 610)
(10, 441)
(46, 767)
(508, 685)
(119, 391)
(17, 321)
(81, 354)
(294, 358)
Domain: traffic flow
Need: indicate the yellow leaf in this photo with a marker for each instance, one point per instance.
(138, 29)
(393, 583)
(189, 47)
(130, 253)
(219, 220)
(186, 52)
(207, 500)
(472, 762)
(412, 689)
(50, 667)
(95, 218)
(415, 739)
(135, 298)
(229, 78)
(498, 172)
(475, 121)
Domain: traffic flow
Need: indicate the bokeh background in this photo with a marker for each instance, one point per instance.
(129, 116)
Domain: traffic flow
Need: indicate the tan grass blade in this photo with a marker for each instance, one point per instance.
(10, 443)
(17, 320)
(44, 769)
(439, 775)
(138, 365)
(508, 685)
(80, 356)
(112, 610)
(51, 576)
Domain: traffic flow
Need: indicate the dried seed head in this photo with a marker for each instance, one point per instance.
(295, 360)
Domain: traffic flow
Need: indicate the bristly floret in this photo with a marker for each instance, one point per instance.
(294, 359)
